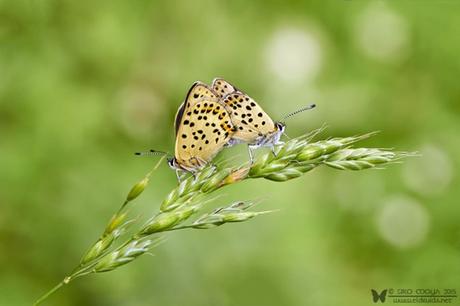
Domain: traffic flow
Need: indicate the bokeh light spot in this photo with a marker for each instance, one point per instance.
(293, 55)
(403, 222)
(429, 174)
(381, 33)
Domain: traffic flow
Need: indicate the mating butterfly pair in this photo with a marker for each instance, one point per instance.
(219, 116)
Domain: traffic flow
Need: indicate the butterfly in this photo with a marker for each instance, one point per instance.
(253, 125)
(203, 127)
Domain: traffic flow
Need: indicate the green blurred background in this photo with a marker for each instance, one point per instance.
(84, 84)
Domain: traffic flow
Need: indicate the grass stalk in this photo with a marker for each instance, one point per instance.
(292, 159)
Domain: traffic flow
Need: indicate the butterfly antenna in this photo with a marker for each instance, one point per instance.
(152, 153)
(311, 106)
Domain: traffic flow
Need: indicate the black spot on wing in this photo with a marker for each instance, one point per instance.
(180, 112)
(220, 81)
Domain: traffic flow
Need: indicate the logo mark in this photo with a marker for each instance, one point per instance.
(376, 296)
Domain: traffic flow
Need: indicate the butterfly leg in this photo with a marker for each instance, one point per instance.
(251, 154)
(178, 174)
(273, 150)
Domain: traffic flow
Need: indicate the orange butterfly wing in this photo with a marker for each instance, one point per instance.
(251, 121)
(222, 87)
(203, 127)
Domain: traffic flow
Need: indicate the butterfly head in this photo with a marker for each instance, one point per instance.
(280, 127)
(275, 137)
(173, 164)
